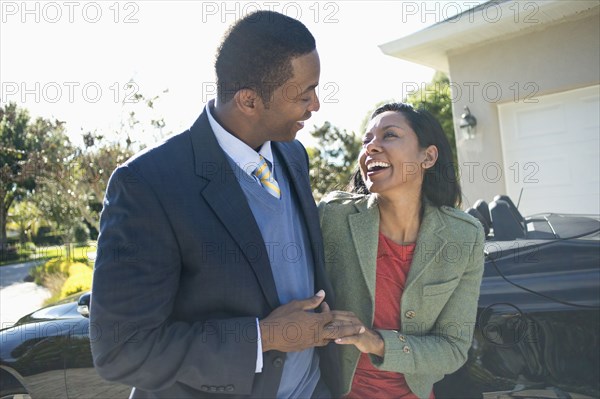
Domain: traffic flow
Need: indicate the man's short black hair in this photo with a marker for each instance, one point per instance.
(256, 54)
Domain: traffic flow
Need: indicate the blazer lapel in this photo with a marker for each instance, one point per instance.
(227, 200)
(430, 245)
(301, 184)
(364, 227)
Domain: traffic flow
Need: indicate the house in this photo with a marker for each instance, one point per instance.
(529, 72)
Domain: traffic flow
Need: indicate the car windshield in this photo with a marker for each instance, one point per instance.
(574, 226)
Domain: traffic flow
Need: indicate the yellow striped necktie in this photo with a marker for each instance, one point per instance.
(266, 178)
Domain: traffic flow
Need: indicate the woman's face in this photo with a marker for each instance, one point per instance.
(391, 159)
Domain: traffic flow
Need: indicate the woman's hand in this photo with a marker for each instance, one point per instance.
(367, 342)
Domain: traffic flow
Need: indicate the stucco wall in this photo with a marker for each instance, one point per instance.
(547, 59)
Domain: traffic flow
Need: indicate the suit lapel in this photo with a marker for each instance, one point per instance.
(430, 245)
(300, 184)
(227, 200)
(364, 227)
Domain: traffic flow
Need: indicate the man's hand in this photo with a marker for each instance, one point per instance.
(295, 326)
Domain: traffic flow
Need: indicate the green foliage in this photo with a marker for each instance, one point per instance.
(55, 193)
(9, 254)
(333, 160)
(436, 98)
(46, 237)
(64, 183)
(53, 266)
(81, 233)
(25, 150)
(78, 254)
(75, 191)
(63, 278)
(34, 155)
(79, 280)
(24, 217)
(92, 168)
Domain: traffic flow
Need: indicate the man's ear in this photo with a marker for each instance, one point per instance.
(246, 100)
(431, 156)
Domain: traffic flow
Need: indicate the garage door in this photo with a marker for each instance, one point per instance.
(551, 151)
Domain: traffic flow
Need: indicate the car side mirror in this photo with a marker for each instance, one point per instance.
(83, 304)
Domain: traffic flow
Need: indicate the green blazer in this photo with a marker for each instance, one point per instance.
(439, 303)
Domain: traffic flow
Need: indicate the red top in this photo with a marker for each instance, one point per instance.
(393, 264)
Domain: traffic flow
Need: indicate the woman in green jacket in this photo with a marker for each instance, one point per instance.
(403, 259)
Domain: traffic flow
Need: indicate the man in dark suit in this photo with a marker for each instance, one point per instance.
(210, 252)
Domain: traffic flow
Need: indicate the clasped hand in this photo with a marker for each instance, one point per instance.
(295, 326)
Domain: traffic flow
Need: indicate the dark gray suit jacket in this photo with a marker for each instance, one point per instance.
(182, 273)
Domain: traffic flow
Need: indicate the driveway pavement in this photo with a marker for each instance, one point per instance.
(18, 298)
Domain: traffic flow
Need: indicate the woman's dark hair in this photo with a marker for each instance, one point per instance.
(257, 51)
(440, 183)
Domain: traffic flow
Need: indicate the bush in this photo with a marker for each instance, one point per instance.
(54, 283)
(29, 246)
(55, 266)
(80, 279)
(81, 233)
(45, 236)
(63, 278)
(8, 252)
(26, 250)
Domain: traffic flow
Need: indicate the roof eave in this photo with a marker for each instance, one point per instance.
(430, 46)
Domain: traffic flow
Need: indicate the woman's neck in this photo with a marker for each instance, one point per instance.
(400, 217)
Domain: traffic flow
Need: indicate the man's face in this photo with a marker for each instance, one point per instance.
(293, 102)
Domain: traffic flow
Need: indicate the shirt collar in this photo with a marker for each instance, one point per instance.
(241, 153)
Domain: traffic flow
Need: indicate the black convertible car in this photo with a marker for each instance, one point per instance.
(537, 334)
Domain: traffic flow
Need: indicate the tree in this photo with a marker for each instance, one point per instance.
(56, 178)
(332, 162)
(25, 152)
(137, 107)
(436, 98)
(25, 217)
(92, 168)
(66, 183)
(73, 192)
(92, 165)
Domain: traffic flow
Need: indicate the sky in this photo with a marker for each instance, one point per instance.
(82, 62)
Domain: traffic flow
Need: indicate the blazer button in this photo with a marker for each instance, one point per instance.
(278, 362)
(410, 314)
(212, 388)
(406, 349)
(220, 389)
(204, 388)
(230, 388)
(402, 338)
